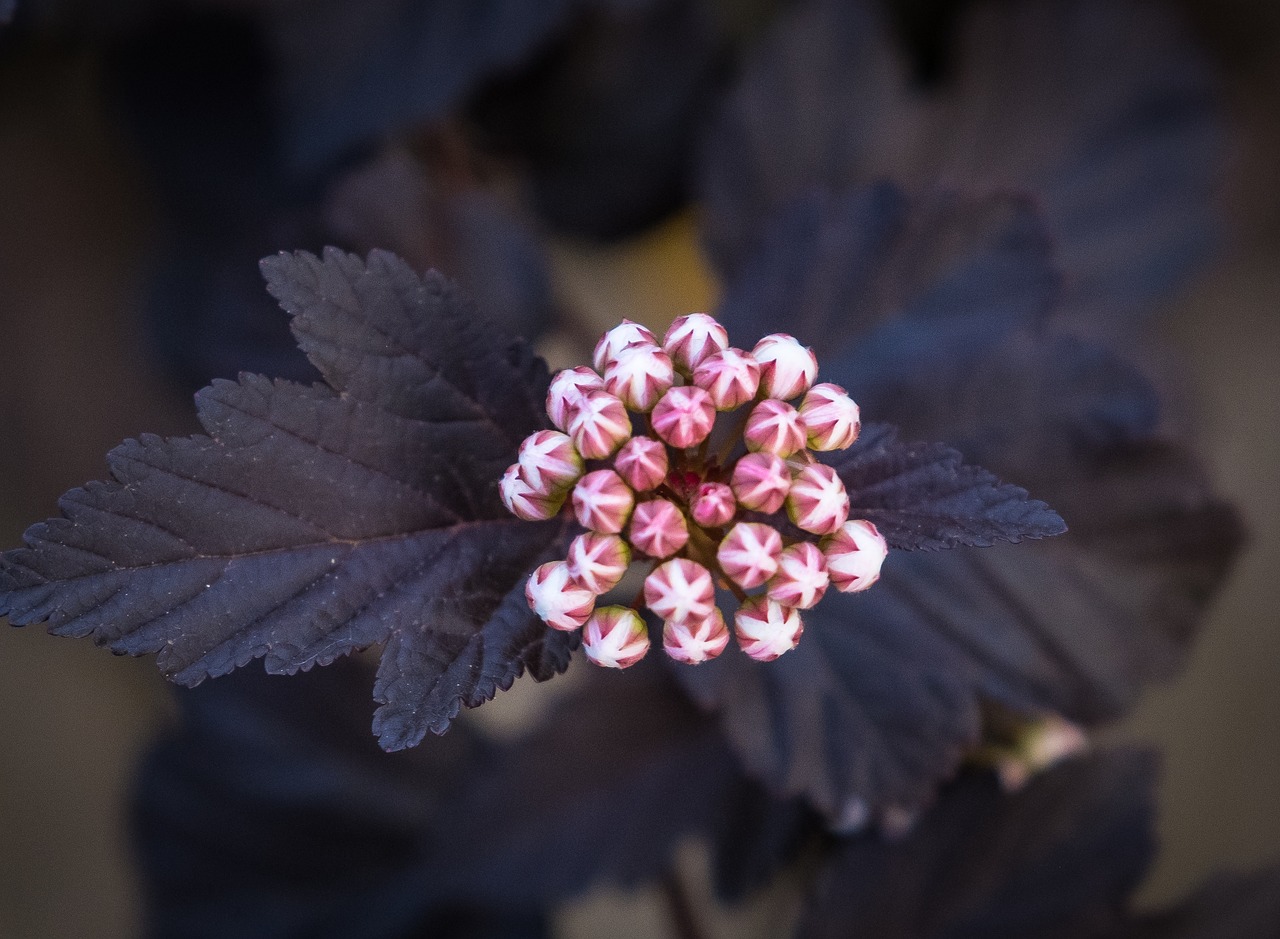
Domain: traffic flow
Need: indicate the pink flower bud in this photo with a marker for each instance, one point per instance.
(730, 376)
(692, 338)
(830, 417)
(802, 577)
(855, 554)
(684, 416)
(549, 461)
(567, 390)
(523, 500)
(599, 425)
(615, 340)
(597, 561)
(713, 505)
(642, 462)
(658, 528)
(766, 629)
(695, 641)
(818, 501)
(680, 590)
(615, 637)
(559, 600)
(639, 375)
(761, 481)
(749, 554)
(774, 427)
(787, 368)
(602, 501)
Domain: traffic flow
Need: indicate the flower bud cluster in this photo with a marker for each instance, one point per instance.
(676, 453)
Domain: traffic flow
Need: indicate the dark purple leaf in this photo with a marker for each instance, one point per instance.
(394, 203)
(924, 497)
(605, 124)
(314, 521)
(837, 266)
(1103, 110)
(1054, 861)
(601, 792)
(353, 72)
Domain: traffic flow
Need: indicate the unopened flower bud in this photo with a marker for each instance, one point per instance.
(524, 500)
(658, 528)
(549, 461)
(766, 629)
(855, 554)
(818, 501)
(598, 561)
(642, 462)
(749, 554)
(730, 376)
(680, 590)
(713, 505)
(559, 600)
(802, 576)
(639, 375)
(787, 368)
(599, 425)
(761, 481)
(615, 637)
(694, 641)
(692, 338)
(831, 418)
(774, 427)
(602, 501)
(567, 390)
(615, 340)
(684, 416)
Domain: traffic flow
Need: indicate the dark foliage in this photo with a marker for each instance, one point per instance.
(1119, 141)
(316, 520)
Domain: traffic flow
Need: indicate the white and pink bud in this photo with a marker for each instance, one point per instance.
(802, 576)
(831, 418)
(855, 555)
(658, 528)
(818, 501)
(597, 561)
(639, 375)
(713, 505)
(615, 637)
(696, 641)
(748, 555)
(602, 501)
(692, 338)
(524, 500)
(549, 461)
(787, 369)
(643, 463)
(730, 376)
(599, 425)
(684, 416)
(615, 340)
(761, 481)
(559, 600)
(766, 629)
(567, 389)
(680, 590)
(774, 427)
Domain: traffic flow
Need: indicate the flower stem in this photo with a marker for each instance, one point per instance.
(680, 906)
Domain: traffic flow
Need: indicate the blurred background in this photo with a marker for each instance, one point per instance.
(139, 181)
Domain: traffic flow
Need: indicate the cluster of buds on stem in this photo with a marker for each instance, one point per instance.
(675, 454)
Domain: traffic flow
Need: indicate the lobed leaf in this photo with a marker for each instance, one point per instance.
(1057, 859)
(923, 497)
(1104, 110)
(313, 521)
